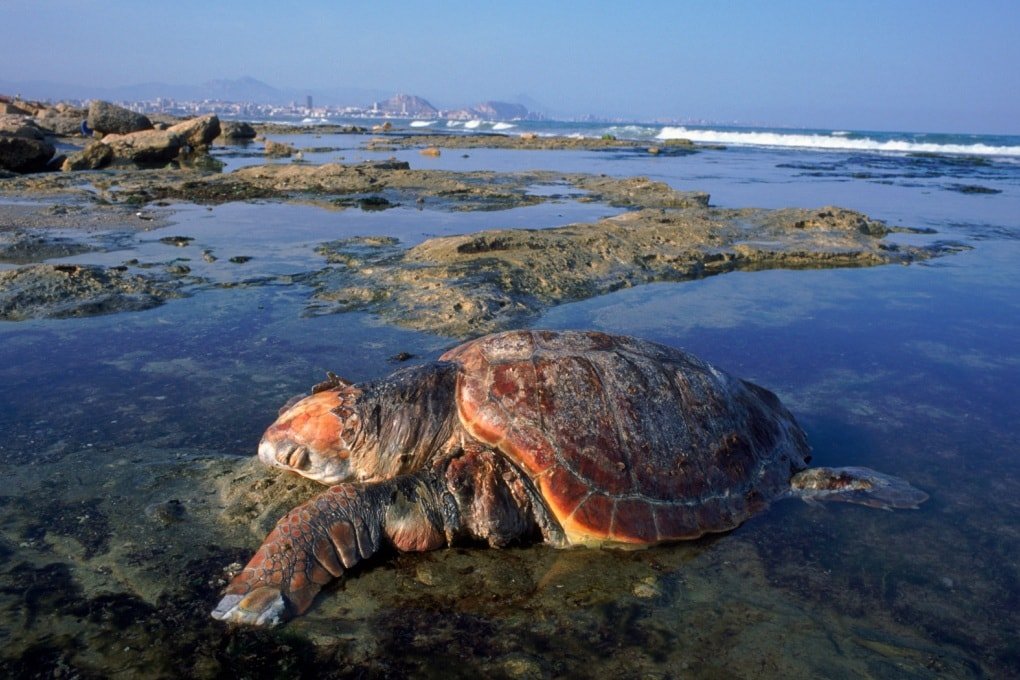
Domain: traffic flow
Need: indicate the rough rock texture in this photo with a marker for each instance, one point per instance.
(638, 192)
(235, 129)
(526, 141)
(198, 132)
(61, 291)
(20, 246)
(279, 149)
(62, 120)
(494, 280)
(21, 126)
(95, 155)
(145, 147)
(24, 154)
(107, 118)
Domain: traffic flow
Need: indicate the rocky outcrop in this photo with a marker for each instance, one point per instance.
(24, 154)
(408, 105)
(198, 132)
(68, 290)
(490, 111)
(106, 118)
(487, 281)
(94, 156)
(147, 147)
(237, 130)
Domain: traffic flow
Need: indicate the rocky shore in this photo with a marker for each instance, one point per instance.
(457, 286)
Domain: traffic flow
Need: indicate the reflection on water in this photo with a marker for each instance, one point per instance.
(123, 435)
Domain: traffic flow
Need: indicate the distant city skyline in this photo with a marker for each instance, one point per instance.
(907, 65)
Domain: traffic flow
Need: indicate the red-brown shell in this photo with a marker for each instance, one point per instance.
(628, 441)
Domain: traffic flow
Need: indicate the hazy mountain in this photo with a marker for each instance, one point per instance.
(244, 89)
(248, 89)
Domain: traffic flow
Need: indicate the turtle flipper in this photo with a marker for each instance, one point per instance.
(856, 485)
(321, 539)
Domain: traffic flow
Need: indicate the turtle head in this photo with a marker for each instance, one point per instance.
(312, 435)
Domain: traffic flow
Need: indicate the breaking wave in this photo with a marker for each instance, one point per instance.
(839, 140)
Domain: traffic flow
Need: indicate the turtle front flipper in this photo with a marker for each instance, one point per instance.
(321, 539)
(856, 485)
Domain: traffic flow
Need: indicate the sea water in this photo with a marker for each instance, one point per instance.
(913, 370)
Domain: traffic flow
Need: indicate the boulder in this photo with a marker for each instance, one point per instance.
(145, 147)
(107, 118)
(20, 126)
(236, 129)
(24, 154)
(95, 155)
(279, 149)
(198, 132)
(63, 121)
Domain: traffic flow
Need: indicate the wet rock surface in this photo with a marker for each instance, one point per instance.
(66, 290)
(479, 283)
(526, 141)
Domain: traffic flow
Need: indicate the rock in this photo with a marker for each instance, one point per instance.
(145, 147)
(430, 151)
(67, 290)
(107, 118)
(24, 154)
(20, 126)
(235, 129)
(66, 123)
(198, 132)
(278, 149)
(94, 156)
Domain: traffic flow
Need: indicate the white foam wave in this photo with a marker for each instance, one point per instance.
(837, 142)
(422, 123)
(503, 126)
(452, 123)
(472, 124)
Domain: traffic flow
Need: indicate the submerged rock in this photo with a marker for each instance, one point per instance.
(61, 291)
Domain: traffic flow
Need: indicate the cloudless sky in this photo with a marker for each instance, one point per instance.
(923, 65)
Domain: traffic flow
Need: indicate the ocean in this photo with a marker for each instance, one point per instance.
(913, 370)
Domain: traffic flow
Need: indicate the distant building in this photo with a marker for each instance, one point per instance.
(308, 102)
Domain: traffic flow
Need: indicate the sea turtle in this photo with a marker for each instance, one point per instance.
(576, 438)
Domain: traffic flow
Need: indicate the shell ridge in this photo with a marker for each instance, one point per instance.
(606, 385)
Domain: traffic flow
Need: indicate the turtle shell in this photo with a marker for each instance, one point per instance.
(627, 441)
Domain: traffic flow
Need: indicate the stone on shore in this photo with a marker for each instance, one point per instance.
(62, 121)
(20, 126)
(146, 147)
(68, 290)
(237, 130)
(198, 132)
(24, 154)
(94, 156)
(107, 118)
(279, 149)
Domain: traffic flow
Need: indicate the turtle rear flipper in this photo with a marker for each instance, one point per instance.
(856, 485)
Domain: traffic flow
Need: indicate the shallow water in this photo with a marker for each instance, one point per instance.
(912, 370)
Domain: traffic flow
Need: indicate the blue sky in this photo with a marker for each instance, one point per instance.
(892, 65)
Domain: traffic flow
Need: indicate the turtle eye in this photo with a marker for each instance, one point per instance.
(298, 458)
